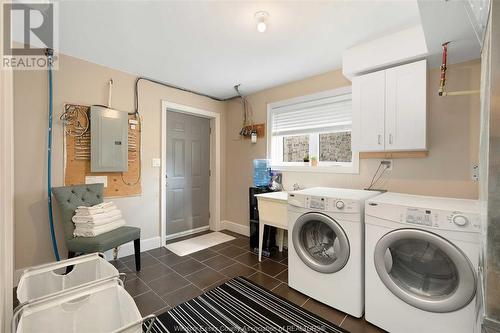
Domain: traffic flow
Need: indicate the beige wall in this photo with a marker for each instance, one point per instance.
(453, 136)
(79, 81)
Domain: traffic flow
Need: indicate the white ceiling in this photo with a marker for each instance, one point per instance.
(445, 21)
(211, 46)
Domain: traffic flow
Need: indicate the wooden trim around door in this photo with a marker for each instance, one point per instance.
(6, 192)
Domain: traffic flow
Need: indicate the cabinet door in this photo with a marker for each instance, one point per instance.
(406, 107)
(368, 112)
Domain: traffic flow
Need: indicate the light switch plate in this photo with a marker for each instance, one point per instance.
(156, 162)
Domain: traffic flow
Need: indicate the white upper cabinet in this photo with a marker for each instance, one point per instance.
(368, 95)
(405, 112)
(390, 109)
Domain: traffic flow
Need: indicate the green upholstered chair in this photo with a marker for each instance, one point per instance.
(68, 199)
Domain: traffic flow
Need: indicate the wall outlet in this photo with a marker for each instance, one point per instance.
(475, 173)
(97, 180)
(387, 164)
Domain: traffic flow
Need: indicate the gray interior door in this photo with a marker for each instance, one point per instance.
(188, 167)
(425, 270)
(320, 242)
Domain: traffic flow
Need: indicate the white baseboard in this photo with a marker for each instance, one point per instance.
(187, 232)
(123, 251)
(235, 227)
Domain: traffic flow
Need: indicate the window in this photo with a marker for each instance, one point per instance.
(315, 126)
(295, 148)
(335, 147)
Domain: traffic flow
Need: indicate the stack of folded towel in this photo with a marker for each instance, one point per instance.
(96, 220)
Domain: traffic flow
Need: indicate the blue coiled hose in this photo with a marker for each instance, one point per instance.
(49, 54)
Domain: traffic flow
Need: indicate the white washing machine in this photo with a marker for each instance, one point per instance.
(421, 263)
(325, 246)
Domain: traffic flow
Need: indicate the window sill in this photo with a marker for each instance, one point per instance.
(354, 169)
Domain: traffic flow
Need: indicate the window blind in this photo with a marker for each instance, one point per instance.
(329, 114)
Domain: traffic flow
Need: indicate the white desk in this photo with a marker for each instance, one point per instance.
(273, 212)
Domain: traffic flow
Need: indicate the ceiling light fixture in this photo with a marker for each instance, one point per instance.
(261, 17)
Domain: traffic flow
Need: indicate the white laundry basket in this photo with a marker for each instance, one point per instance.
(44, 280)
(103, 307)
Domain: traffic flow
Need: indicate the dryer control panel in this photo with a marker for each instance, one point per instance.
(426, 217)
(442, 219)
(451, 214)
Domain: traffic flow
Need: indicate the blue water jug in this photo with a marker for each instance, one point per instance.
(261, 173)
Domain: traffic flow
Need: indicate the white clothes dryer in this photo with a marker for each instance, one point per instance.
(421, 263)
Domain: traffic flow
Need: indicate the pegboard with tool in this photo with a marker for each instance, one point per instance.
(77, 154)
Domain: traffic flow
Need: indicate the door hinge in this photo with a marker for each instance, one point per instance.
(209, 172)
(210, 130)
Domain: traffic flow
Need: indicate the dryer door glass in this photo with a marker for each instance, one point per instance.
(320, 242)
(425, 270)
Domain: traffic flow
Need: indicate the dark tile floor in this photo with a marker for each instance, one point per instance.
(167, 279)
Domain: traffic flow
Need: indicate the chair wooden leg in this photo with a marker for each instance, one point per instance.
(70, 255)
(137, 250)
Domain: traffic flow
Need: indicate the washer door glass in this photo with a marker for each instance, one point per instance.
(425, 270)
(320, 242)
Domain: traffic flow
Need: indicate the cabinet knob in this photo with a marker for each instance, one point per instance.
(379, 139)
(390, 138)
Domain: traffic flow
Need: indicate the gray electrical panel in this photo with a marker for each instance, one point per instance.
(108, 140)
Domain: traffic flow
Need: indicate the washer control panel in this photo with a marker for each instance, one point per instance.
(317, 203)
(324, 203)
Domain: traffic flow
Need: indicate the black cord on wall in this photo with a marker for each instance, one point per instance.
(375, 179)
(136, 92)
(138, 116)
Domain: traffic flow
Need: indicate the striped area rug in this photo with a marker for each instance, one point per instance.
(240, 306)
